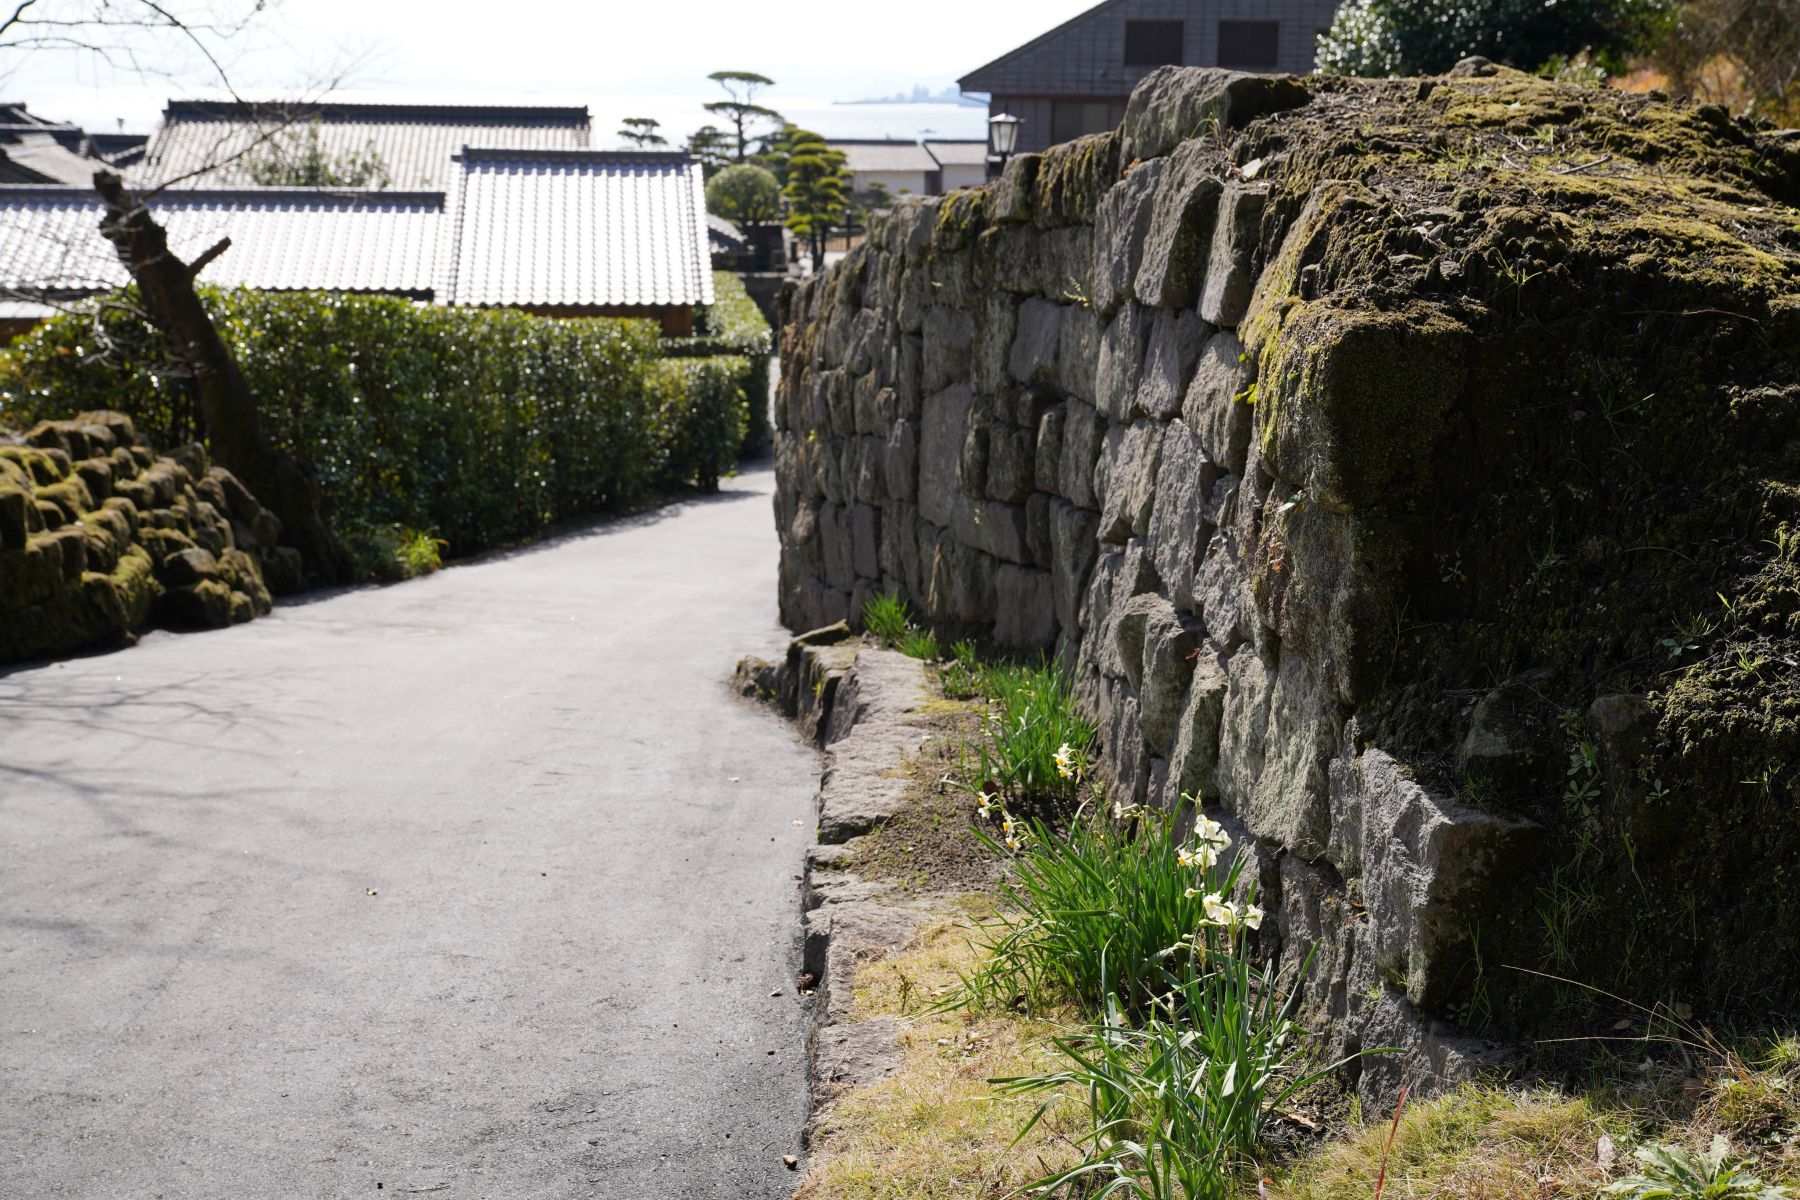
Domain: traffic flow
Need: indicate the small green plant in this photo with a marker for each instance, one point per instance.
(419, 553)
(961, 677)
(1103, 908)
(1176, 1103)
(887, 618)
(1032, 719)
(1672, 1173)
(919, 643)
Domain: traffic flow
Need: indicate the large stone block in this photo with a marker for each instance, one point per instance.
(1176, 340)
(1078, 355)
(1121, 362)
(1180, 527)
(962, 584)
(1119, 232)
(1126, 479)
(1173, 104)
(1074, 547)
(943, 421)
(1226, 293)
(1084, 434)
(948, 347)
(1429, 868)
(1033, 359)
(1181, 225)
(865, 541)
(1012, 464)
(1350, 401)
(1217, 406)
(900, 463)
(1171, 641)
(1194, 762)
(996, 319)
(1025, 617)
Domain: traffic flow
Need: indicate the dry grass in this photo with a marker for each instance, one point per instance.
(1492, 1143)
(934, 1131)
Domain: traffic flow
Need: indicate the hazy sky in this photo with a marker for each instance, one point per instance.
(557, 51)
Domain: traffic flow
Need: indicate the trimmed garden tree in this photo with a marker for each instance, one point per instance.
(817, 190)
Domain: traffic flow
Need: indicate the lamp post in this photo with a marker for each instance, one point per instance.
(1003, 137)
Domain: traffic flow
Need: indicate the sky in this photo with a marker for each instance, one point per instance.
(603, 53)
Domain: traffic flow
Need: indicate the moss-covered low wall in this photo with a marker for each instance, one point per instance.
(100, 536)
(1410, 469)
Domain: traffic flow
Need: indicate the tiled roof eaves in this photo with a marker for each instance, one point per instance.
(629, 158)
(231, 110)
(199, 196)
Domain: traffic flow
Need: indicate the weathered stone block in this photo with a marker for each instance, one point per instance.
(1012, 464)
(1179, 526)
(947, 349)
(1350, 401)
(900, 462)
(996, 319)
(1015, 193)
(1078, 355)
(1034, 348)
(1181, 225)
(1126, 478)
(1226, 294)
(1120, 228)
(1176, 339)
(1121, 362)
(1170, 642)
(1074, 547)
(1217, 407)
(1025, 616)
(1194, 762)
(1173, 104)
(1047, 466)
(1084, 433)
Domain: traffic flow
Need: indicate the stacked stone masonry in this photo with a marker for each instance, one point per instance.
(100, 536)
(1092, 410)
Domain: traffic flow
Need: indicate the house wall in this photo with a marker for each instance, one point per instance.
(961, 176)
(913, 183)
(1087, 59)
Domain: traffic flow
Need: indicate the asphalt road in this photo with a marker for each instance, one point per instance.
(476, 886)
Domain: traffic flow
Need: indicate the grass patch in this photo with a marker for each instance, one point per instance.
(889, 621)
(934, 1130)
(1035, 742)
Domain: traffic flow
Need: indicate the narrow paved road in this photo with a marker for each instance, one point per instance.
(477, 886)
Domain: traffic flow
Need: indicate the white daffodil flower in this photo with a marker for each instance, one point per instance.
(1253, 917)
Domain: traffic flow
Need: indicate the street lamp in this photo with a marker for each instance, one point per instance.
(1003, 136)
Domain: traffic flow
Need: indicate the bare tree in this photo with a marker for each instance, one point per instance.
(121, 33)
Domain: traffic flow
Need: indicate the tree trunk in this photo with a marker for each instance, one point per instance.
(227, 407)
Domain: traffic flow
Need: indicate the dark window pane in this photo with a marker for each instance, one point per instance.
(1252, 45)
(1070, 119)
(1153, 43)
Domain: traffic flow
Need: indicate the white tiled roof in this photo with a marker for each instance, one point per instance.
(581, 229)
(886, 155)
(958, 153)
(575, 230)
(281, 239)
(416, 143)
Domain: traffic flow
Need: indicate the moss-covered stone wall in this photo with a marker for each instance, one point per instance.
(100, 536)
(1410, 469)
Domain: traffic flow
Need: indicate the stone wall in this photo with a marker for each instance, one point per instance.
(1301, 419)
(100, 536)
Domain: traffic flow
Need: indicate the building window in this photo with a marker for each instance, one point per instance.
(1070, 119)
(1153, 43)
(1250, 45)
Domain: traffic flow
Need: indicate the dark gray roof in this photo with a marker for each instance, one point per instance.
(960, 152)
(724, 237)
(416, 143)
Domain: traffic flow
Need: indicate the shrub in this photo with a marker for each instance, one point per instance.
(482, 426)
(702, 418)
(1417, 37)
(919, 643)
(734, 325)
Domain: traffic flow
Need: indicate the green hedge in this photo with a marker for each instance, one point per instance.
(734, 326)
(477, 426)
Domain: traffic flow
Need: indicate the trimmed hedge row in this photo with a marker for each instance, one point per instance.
(478, 426)
(735, 326)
